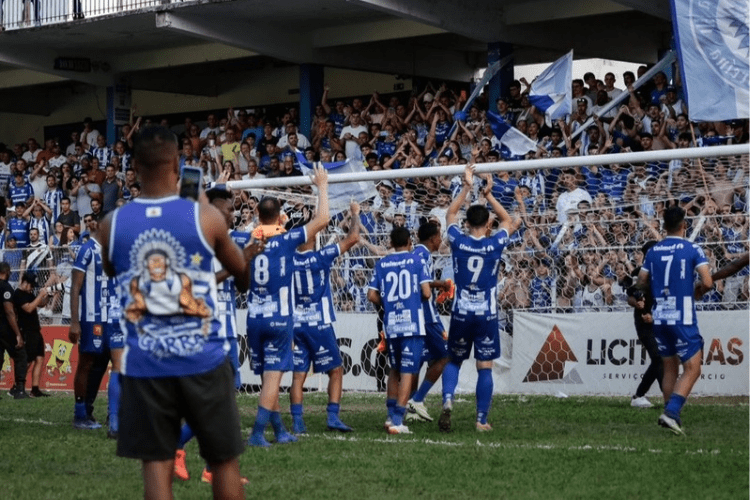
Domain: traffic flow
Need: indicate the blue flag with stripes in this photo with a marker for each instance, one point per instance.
(714, 53)
(512, 138)
(551, 91)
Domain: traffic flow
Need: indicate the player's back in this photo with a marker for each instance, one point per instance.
(398, 277)
(271, 292)
(312, 287)
(168, 289)
(671, 264)
(476, 261)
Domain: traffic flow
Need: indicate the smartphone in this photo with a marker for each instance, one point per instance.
(190, 184)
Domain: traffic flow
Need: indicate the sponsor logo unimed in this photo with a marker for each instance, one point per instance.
(555, 361)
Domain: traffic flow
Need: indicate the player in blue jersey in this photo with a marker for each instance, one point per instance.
(270, 303)
(221, 198)
(400, 283)
(174, 364)
(668, 270)
(114, 342)
(476, 263)
(88, 316)
(435, 351)
(314, 336)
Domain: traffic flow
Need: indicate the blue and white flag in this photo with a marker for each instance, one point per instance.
(340, 195)
(516, 141)
(551, 92)
(712, 46)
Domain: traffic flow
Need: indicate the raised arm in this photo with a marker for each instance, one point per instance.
(352, 237)
(322, 216)
(451, 216)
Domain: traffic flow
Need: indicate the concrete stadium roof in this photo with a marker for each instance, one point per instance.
(157, 47)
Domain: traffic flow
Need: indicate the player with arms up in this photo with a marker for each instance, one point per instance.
(400, 283)
(668, 270)
(314, 337)
(270, 306)
(174, 364)
(476, 263)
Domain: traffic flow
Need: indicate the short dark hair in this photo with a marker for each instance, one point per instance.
(150, 146)
(4, 268)
(477, 215)
(268, 209)
(399, 237)
(218, 193)
(673, 217)
(427, 231)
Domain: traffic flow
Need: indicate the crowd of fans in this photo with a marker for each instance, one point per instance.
(583, 227)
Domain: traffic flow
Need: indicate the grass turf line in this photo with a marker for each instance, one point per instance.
(542, 447)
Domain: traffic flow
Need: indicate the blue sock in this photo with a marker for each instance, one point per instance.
(450, 380)
(674, 405)
(398, 415)
(296, 410)
(80, 411)
(333, 410)
(424, 388)
(485, 384)
(390, 404)
(186, 434)
(276, 423)
(113, 400)
(261, 420)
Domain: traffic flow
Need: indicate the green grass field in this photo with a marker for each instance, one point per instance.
(542, 447)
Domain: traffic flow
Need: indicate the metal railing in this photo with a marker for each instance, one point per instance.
(19, 14)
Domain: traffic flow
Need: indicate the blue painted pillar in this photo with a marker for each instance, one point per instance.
(499, 84)
(310, 93)
(119, 100)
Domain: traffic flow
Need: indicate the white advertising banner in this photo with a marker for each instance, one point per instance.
(587, 353)
(599, 353)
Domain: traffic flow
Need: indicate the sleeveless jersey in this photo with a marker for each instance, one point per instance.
(398, 278)
(93, 303)
(671, 264)
(429, 305)
(168, 290)
(313, 300)
(476, 262)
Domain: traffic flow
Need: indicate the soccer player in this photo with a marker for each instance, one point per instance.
(221, 198)
(435, 351)
(400, 283)
(668, 271)
(174, 366)
(476, 262)
(88, 315)
(314, 336)
(270, 306)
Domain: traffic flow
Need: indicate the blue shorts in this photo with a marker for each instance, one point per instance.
(270, 341)
(481, 331)
(680, 340)
(405, 354)
(92, 337)
(435, 346)
(316, 344)
(113, 336)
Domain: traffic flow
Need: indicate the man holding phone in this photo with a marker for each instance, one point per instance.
(160, 248)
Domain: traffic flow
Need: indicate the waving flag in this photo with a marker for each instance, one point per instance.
(551, 91)
(512, 138)
(712, 46)
(341, 194)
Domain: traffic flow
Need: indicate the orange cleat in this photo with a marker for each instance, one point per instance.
(443, 296)
(207, 477)
(180, 470)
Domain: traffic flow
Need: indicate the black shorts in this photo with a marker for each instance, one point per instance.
(34, 344)
(152, 409)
